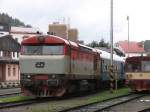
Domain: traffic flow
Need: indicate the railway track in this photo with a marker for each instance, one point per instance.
(38, 100)
(9, 91)
(145, 110)
(17, 103)
(25, 102)
(9, 94)
(103, 105)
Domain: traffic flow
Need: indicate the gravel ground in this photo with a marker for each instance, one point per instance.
(133, 106)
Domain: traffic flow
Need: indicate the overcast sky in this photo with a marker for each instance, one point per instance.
(90, 17)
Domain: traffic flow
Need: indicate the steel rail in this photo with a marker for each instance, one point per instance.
(9, 94)
(40, 100)
(103, 105)
(26, 102)
(145, 110)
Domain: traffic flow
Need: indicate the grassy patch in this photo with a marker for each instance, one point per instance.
(107, 95)
(14, 98)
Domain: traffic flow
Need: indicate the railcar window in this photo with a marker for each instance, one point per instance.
(145, 66)
(133, 67)
(43, 50)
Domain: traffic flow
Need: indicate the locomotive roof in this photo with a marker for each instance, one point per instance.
(51, 39)
(89, 48)
(48, 39)
(106, 55)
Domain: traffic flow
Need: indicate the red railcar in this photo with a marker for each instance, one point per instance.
(53, 66)
(138, 73)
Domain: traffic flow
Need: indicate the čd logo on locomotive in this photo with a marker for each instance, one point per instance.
(40, 64)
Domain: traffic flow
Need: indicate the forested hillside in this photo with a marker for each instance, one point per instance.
(5, 18)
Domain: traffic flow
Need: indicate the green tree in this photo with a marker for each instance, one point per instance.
(5, 18)
(101, 43)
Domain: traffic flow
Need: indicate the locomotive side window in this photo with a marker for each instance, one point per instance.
(43, 50)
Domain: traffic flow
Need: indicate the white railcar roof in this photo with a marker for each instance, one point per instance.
(106, 55)
(87, 47)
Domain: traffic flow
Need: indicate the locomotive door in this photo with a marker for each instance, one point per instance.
(96, 64)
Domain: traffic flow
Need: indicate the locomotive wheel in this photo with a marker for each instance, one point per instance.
(60, 92)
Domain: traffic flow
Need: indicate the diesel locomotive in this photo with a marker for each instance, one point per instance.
(51, 66)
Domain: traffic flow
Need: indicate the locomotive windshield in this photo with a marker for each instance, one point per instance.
(43, 49)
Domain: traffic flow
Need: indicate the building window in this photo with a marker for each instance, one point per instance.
(13, 54)
(14, 71)
(4, 53)
(8, 54)
(17, 54)
(1, 53)
(9, 71)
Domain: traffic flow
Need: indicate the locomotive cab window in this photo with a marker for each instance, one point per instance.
(43, 50)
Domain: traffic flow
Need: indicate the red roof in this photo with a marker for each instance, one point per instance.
(134, 47)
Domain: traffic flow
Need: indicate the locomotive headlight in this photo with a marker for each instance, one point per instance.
(130, 75)
(28, 76)
(53, 76)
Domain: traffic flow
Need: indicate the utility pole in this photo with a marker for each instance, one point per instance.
(128, 34)
(111, 42)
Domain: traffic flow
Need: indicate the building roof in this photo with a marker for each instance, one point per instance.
(24, 30)
(134, 47)
(7, 43)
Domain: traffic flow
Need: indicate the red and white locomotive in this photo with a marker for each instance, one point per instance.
(53, 66)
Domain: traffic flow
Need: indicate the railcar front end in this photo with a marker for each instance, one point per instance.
(138, 73)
